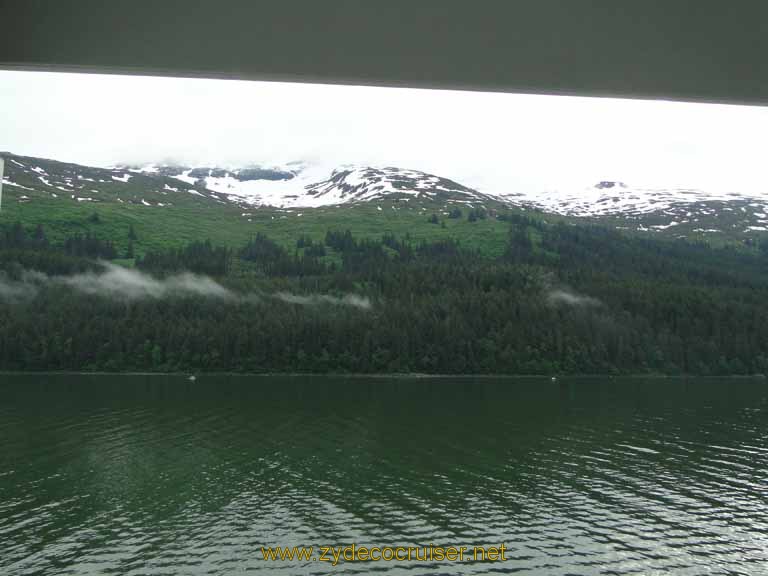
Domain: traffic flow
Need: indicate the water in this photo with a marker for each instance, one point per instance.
(158, 475)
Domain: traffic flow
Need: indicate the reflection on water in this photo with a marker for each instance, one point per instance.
(157, 475)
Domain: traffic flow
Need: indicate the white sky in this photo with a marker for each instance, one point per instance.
(501, 143)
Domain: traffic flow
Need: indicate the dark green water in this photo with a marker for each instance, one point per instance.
(157, 475)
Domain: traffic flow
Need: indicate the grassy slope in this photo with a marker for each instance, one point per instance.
(176, 225)
(728, 219)
(187, 216)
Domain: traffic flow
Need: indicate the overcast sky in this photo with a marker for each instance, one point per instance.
(497, 142)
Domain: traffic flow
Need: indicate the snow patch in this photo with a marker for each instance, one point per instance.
(315, 186)
(629, 201)
(664, 226)
(7, 182)
(185, 177)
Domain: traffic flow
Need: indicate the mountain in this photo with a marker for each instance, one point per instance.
(679, 212)
(300, 185)
(292, 186)
(28, 178)
(247, 190)
(366, 184)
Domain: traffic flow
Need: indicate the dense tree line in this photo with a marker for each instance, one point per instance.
(271, 259)
(90, 247)
(562, 299)
(198, 257)
(22, 249)
(16, 237)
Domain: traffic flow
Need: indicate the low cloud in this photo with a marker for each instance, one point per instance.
(15, 291)
(556, 297)
(119, 282)
(353, 300)
(24, 288)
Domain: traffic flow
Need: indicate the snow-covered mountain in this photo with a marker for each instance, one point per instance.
(610, 198)
(303, 185)
(679, 211)
(28, 178)
(671, 211)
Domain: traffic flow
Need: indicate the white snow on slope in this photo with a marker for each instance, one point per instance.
(7, 182)
(625, 200)
(316, 186)
(185, 177)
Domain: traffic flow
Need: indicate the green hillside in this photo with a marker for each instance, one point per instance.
(165, 212)
(174, 226)
(171, 206)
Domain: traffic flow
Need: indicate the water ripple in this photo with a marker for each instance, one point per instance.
(154, 475)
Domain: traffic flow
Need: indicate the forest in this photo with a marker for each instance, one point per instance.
(562, 299)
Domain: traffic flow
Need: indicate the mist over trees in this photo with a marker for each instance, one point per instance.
(562, 299)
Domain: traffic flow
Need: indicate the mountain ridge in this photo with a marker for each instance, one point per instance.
(675, 212)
